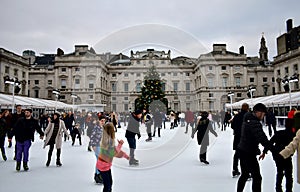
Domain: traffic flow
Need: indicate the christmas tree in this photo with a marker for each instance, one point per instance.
(152, 95)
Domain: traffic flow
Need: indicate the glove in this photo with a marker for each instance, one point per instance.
(139, 135)
(277, 157)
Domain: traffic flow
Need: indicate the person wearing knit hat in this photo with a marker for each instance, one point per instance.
(252, 135)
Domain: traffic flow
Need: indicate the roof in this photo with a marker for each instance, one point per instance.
(278, 100)
(6, 100)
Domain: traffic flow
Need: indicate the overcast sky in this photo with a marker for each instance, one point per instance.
(188, 27)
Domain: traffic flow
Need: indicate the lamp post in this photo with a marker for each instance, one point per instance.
(250, 93)
(286, 82)
(230, 95)
(74, 96)
(14, 82)
(56, 92)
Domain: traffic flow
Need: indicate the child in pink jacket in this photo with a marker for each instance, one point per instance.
(108, 151)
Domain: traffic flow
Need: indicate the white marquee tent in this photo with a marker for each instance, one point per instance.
(6, 102)
(280, 100)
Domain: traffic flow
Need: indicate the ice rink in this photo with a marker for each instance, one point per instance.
(169, 164)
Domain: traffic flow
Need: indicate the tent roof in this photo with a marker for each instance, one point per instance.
(6, 100)
(270, 101)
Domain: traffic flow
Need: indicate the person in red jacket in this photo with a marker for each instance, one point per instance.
(189, 119)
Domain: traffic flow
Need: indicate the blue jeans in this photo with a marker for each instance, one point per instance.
(97, 151)
(23, 150)
(132, 142)
(107, 180)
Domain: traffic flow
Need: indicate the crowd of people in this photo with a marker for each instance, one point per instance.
(101, 127)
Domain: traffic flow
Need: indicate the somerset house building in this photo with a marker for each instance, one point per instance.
(112, 82)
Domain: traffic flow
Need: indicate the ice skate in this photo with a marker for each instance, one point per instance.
(133, 162)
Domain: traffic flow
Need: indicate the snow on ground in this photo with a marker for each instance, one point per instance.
(169, 163)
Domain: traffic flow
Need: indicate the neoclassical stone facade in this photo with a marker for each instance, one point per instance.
(112, 82)
(15, 67)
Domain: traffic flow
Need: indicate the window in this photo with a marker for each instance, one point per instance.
(251, 79)
(36, 93)
(223, 68)
(210, 68)
(187, 86)
(62, 97)
(114, 107)
(296, 67)
(265, 91)
(77, 84)
(138, 74)
(163, 86)
(23, 74)
(49, 93)
(211, 105)
(114, 98)
(188, 105)
(278, 72)
(224, 81)
(126, 87)
(90, 97)
(77, 69)
(237, 67)
(238, 81)
(138, 87)
(36, 82)
(63, 69)
(6, 69)
(239, 95)
(286, 70)
(187, 74)
(163, 74)
(126, 107)
(63, 83)
(188, 97)
(114, 75)
(125, 74)
(174, 74)
(113, 87)
(175, 86)
(126, 98)
(49, 82)
(210, 95)
(265, 79)
(16, 72)
(91, 84)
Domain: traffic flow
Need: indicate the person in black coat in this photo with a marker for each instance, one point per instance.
(251, 136)
(271, 121)
(281, 139)
(24, 133)
(236, 125)
(203, 128)
(131, 131)
(157, 121)
(3, 132)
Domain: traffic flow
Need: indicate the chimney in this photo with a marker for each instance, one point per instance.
(289, 25)
(242, 50)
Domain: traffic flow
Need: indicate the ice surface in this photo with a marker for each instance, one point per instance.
(169, 163)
